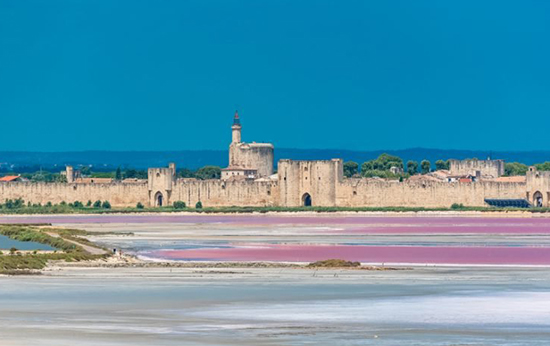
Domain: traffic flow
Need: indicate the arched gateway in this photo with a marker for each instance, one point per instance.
(537, 199)
(158, 199)
(306, 200)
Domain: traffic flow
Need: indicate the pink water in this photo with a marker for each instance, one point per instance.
(370, 254)
(347, 224)
(328, 228)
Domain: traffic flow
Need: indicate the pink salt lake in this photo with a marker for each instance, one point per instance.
(394, 226)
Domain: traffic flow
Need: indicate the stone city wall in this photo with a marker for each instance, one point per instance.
(318, 179)
(222, 193)
(372, 193)
(117, 193)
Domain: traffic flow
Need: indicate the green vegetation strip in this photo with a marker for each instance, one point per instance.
(66, 209)
(17, 262)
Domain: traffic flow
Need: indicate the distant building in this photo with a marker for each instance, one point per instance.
(396, 170)
(247, 157)
(484, 169)
(239, 173)
(12, 178)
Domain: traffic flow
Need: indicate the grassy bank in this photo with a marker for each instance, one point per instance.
(18, 262)
(66, 209)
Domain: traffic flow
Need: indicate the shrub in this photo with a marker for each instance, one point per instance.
(139, 205)
(97, 204)
(78, 204)
(49, 204)
(179, 205)
(334, 263)
(9, 204)
(456, 206)
(198, 205)
(106, 205)
(89, 204)
(63, 203)
(13, 250)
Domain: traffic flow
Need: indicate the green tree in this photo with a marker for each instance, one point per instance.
(198, 205)
(97, 204)
(350, 169)
(412, 167)
(139, 205)
(185, 173)
(209, 172)
(515, 168)
(106, 205)
(131, 173)
(89, 204)
(85, 170)
(118, 174)
(383, 163)
(425, 166)
(543, 166)
(440, 165)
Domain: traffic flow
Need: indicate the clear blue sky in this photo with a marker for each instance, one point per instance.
(168, 75)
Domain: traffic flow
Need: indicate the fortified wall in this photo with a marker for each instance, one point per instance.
(297, 183)
(538, 187)
(321, 183)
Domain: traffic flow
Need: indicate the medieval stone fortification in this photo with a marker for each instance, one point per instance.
(249, 181)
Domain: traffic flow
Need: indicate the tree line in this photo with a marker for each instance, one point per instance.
(381, 167)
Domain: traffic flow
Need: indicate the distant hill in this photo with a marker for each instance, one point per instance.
(109, 160)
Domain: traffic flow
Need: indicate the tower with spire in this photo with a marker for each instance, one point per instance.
(247, 160)
(236, 129)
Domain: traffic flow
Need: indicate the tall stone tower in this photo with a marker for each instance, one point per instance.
(236, 129)
(249, 160)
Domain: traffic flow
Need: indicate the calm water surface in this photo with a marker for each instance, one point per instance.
(442, 306)
(7, 243)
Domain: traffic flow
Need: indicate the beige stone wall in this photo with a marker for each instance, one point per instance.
(252, 155)
(492, 168)
(118, 194)
(319, 179)
(221, 193)
(322, 180)
(538, 182)
(160, 182)
(372, 193)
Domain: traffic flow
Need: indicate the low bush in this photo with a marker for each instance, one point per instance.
(334, 263)
(179, 205)
(457, 206)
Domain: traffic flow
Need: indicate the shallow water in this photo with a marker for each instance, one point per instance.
(282, 307)
(439, 306)
(7, 243)
(367, 239)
